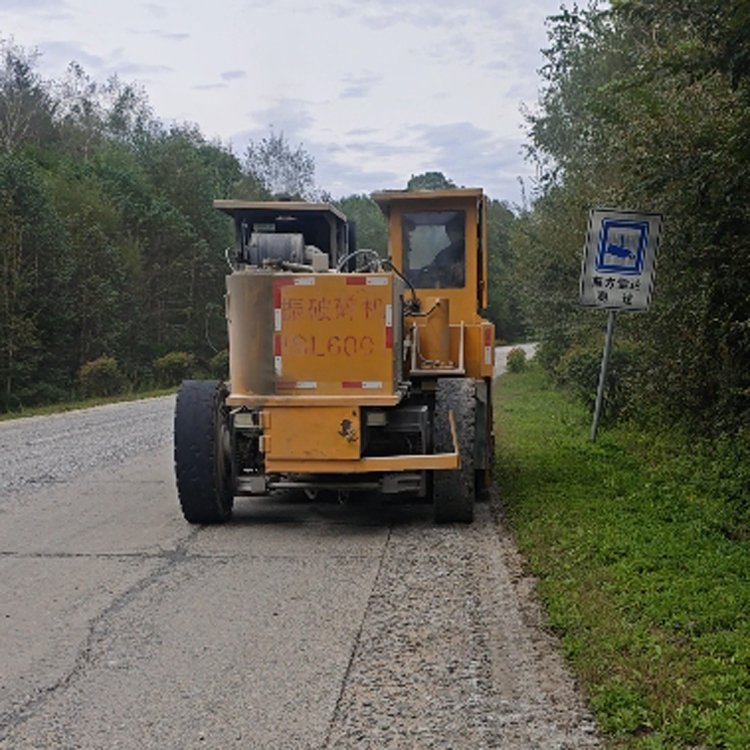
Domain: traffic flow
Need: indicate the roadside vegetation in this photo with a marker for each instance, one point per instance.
(85, 403)
(645, 105)
(112, 258)
(641, 541)
(641, 544)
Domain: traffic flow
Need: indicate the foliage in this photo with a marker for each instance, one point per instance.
(281, 169)
(26, 107)
(32, 270)
(101, 377)
(640, 545)
(429, 181)
(108, 239)
(219, 365)
(56, 406)
(174, 367)
(504, 308)
(646, 105)
(371, 226)
(516, 360)
(579, 368)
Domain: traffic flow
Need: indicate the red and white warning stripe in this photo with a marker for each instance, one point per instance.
(389, 326)
(488, 349)
(367, 280)
(300, 385)
(367, 385)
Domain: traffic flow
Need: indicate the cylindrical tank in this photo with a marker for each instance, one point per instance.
(434, 333)
(249, 311)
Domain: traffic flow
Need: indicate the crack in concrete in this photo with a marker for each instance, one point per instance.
(174, 554)
(355, 645)
(11, 720)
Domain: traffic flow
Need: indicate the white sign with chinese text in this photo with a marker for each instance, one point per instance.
(619, 259)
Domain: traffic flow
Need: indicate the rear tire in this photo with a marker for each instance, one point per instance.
(485, 452)
(202, 463)
(454, 490)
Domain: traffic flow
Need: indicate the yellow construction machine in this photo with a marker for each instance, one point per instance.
(347, 371)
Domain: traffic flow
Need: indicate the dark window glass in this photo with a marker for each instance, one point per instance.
(434, 249)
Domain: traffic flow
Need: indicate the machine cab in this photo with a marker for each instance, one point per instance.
(437, 240)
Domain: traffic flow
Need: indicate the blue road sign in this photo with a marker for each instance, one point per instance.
(619, 259)
(622, 245)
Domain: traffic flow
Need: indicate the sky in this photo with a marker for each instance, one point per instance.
(375, 90)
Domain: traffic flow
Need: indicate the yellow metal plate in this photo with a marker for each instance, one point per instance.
(312, 433)
(334, 334)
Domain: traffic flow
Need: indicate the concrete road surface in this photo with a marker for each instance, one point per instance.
(297, 625)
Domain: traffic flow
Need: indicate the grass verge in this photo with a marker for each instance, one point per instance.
(642, 573)
(37, 411)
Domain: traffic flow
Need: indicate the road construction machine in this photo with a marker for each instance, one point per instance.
(347, 371)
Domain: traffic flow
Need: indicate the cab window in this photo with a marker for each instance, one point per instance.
(434, 249)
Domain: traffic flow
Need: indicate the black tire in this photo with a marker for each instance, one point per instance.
(202, 464)
(485, 476)
(454, 491)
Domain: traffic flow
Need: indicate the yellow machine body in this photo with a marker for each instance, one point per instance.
(347, 371)
(313, 351)
(321, 337)
(471, 337)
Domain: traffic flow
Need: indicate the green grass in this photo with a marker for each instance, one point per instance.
(85, 403)
(643, 565)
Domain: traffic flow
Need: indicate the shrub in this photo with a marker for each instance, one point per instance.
(516, 360)
(101, 377)
(551, 349)
(579, 368)
(174, 367)
(219, 365)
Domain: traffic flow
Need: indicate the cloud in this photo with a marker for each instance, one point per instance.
(360, 131)
(473, 156)
(426, 19)
(209, 86)
(233, 75)
(457, 47)
(139, 69)
(292, 117)
(155, 9)
(227, 75)
(358, 87)
(173, 36)
(339, 164)
(61, 54)
(341, 179)
(467, 154)
(27, 5)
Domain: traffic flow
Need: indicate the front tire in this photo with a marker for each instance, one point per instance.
(202, 463)
(454, 490)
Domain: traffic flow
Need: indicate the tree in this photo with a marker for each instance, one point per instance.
(32, 245)
(645, 105)
(26, 107)
(372, 229)
(281, 169)
(89, 113)
(504, 308)
(429, 181)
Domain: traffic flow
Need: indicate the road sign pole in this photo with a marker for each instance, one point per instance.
(603, 374)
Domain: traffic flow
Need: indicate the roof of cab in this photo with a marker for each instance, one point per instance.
(233, 207)
(384, 198)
